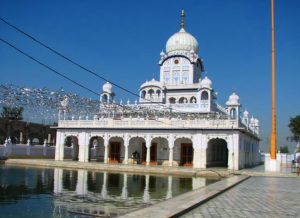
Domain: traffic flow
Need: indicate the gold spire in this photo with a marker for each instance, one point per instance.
(182, 19)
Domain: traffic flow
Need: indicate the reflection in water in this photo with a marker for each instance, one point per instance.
(64, 193)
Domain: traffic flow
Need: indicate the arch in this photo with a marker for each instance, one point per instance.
(116, 149)
(36, 137)
(143, 94)
(172, 100)
(159, 150)
(72, 147)
(204, 95)
(150, 92)
(233, 113)
(217, 153)
(193, 100)
(184, 151)
(158, 93)
(96, 148)
(104, 98)
(182, 100)
(135, 149)
(35, 141)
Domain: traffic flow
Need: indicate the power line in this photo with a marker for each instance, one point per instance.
(48, 67)
(66, 58)
(58, 73)
(75, 63)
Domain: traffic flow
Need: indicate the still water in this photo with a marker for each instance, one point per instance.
(38, 192)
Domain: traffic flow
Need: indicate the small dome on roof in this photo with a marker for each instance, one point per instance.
(206, 83)
(107, 87)
(152, 82)
(256, 122)
(246, 114)
(233, 99)
(252, 120)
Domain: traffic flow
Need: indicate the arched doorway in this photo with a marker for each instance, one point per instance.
(184, 152)
(115, 150)
(159, 150)
(71, 148)
(96, 148)
(217, 153)
(135, 150)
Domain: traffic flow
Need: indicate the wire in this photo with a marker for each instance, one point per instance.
(58, 73)
(66, 58)
(75, 63)
(48, 67)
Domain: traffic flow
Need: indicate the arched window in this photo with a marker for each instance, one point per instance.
(193, 100)
(172, 100)
(143, 94)
(104, 98)
(151, 92)
(158, 92)
(233, 113)
(183, 100)
(204, 95)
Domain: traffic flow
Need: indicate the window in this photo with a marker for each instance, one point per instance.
(143, 94)
(104, 98)
(172, 100)
(204, 95)
(183, 100)
(185, 78)
(151, 92)
(193, 100)
(158, 92)
(233, 113)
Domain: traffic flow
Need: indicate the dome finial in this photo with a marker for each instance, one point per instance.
(182, 19)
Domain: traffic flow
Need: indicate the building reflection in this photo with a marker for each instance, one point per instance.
(98, 193)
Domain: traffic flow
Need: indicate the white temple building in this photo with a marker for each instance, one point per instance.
(177, 120)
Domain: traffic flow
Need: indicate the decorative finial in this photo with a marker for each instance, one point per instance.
(182, 19)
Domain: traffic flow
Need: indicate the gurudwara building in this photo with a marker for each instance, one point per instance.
(176, 122)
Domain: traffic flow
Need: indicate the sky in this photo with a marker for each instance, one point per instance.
(122, 40)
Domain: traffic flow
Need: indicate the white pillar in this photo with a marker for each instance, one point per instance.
(126, 144)
(148, 145)
(49, 138)
(81, 187)
(104, 186)
(106, 144)
(58, 180)
(83, 141)
(171, 146)
(146, 196)
(21, 138)
(233, 152)
(169, 192)
(171, 156)
(59, 147)
(124, 194)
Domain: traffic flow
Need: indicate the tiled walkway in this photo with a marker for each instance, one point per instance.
(255, 197)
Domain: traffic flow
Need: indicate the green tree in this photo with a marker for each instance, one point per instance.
(12, 113)
(294, 126)
(284, 149)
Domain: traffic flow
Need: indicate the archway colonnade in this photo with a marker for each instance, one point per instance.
(167, 149)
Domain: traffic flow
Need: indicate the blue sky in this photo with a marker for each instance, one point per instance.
(121, 40)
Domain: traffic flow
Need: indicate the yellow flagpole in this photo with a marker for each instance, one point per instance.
(273, 136)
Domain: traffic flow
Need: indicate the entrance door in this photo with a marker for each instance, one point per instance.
(115, 152)
(187, 154)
